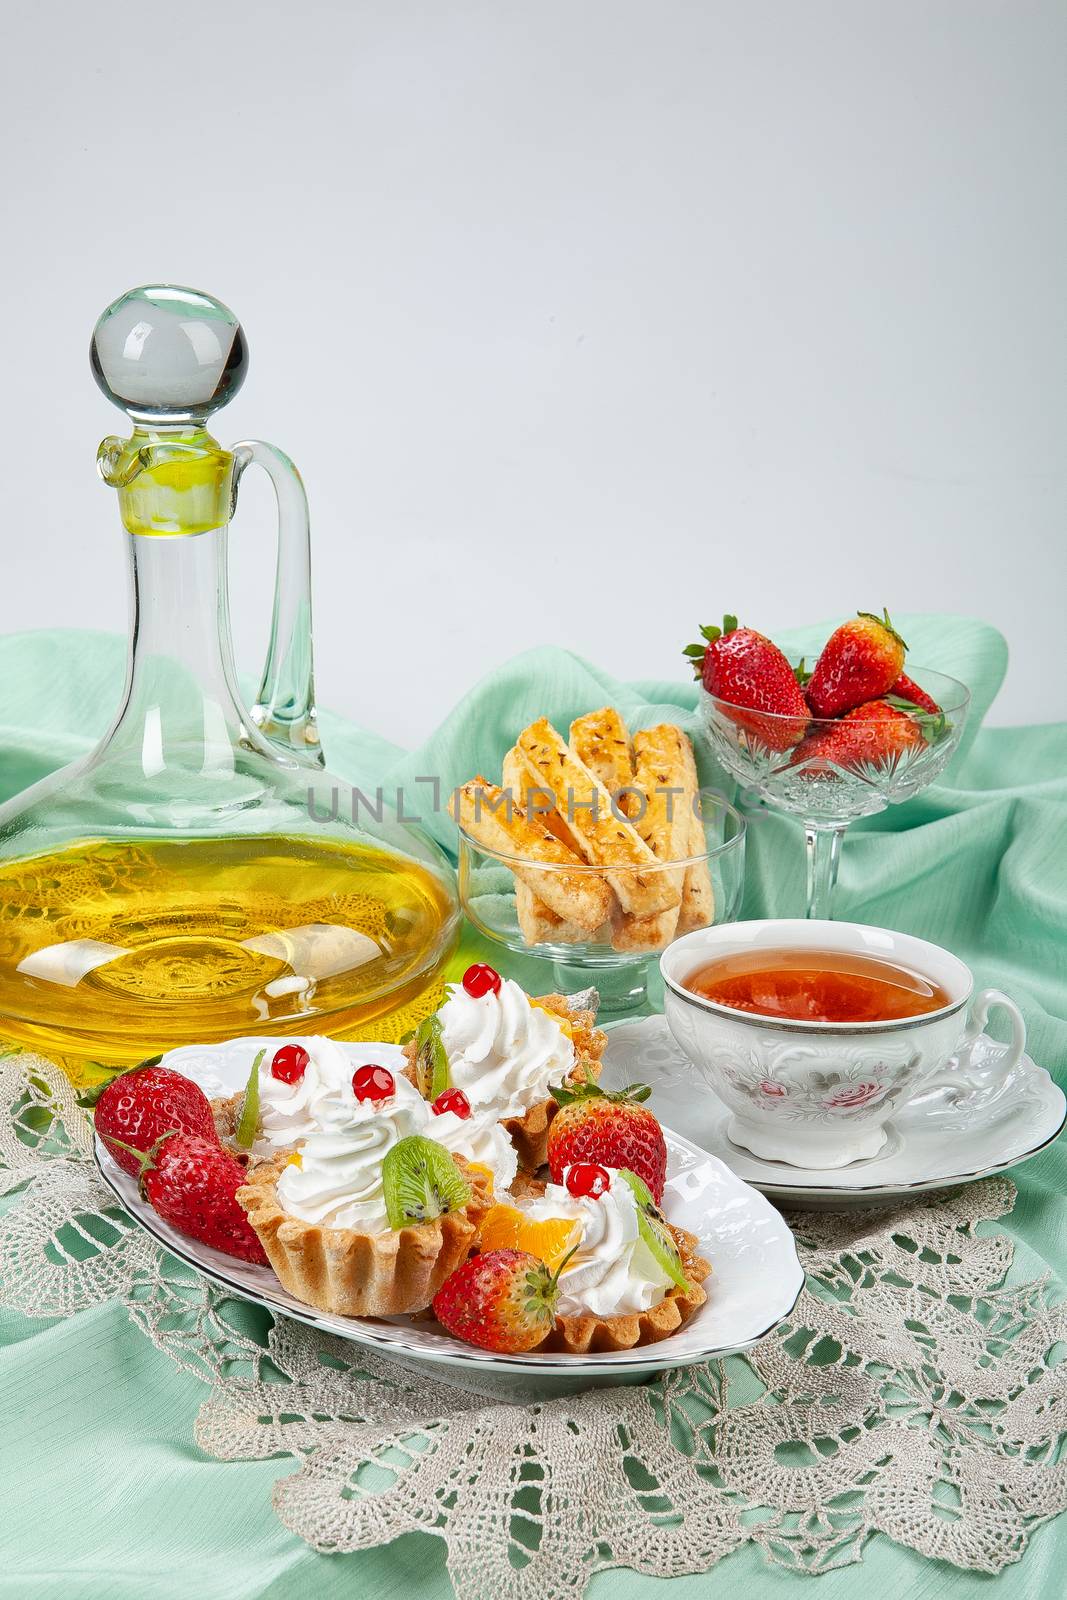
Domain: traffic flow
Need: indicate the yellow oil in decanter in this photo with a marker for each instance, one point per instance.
(113, 951)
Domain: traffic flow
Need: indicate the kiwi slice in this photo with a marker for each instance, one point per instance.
(654, 1231)
(421, 1181)
(248, 1126)
(431, 1062)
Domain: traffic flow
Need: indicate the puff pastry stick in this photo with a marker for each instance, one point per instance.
(536, 800)
(698, 896)
(601, 741)
(660, 772)
(538, 923)
(482, 810)
(660, 816)
(607, 840)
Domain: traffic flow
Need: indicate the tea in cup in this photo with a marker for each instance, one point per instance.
(814, 1033)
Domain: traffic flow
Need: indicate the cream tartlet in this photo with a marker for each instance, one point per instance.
(326, 1216)
(507, 1052)
(614, 1292)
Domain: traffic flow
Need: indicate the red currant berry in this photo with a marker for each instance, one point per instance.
(453, 1100)
(586, 1178)
(373, 1083)
(290, 1063)
(480, 979)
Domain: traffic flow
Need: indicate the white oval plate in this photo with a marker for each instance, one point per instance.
(937, 1140)
(755, 1281)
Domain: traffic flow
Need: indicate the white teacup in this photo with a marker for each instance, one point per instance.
(818, 1094)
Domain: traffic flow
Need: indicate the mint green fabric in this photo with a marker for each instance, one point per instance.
(103, 1494)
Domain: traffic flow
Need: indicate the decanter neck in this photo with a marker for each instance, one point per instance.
(170, 480)
(181, 705)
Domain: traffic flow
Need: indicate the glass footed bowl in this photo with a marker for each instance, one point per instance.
(501, 896)
(787, 762)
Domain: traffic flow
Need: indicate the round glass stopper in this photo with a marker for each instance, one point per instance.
(162, 353)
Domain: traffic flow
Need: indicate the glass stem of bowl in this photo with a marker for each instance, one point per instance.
(623, 990)
(824, 854)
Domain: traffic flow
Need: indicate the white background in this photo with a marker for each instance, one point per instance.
(586, 320)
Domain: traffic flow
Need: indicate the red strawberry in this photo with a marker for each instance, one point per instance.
(611, 1130)
(743, 668)
(906, 688)
(140, 1105)
(860, 661)
(504, 1300)
(874, 734)
(192, 1183)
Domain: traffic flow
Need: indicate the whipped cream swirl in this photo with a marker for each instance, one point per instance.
(338, 1183)
(288, 1112)
(612, 1273)
(504, 1053)
(478, 1138)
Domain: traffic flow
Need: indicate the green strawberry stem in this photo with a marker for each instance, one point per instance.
(694, 654)
(147, 1158)
(552, 1293)
(88, 1097)
(248, 1126)
(932, 723)
(883, 622)
(633, 1094)
(544, 1285)
(573, 1251)
(709, 633)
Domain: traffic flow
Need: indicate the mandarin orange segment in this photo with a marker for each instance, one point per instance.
(508, 1228)
(564, 1022)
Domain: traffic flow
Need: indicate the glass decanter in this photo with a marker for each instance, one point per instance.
(195, 878)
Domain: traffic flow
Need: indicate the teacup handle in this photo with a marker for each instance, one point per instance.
(998, 1065)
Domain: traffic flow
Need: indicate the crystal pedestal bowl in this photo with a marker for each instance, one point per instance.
(827, 773)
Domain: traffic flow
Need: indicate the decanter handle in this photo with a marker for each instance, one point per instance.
(285, 705)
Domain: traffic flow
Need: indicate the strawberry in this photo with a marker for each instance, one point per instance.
(906, 688)
(609, 1129)
(504, 1300)
(861, 660)
(192, 1183)
(138, 1106)
(746, 669)
(874, 734)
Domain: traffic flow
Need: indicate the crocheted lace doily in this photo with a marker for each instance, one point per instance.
(913, 1393)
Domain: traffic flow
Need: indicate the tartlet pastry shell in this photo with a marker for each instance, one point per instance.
(578, 1335)
(361, 1274)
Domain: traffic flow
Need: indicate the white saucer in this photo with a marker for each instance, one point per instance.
(756, 1276)
(938, 1139)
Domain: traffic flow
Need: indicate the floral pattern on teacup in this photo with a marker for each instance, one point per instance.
(856, 1094)
(811, 1081)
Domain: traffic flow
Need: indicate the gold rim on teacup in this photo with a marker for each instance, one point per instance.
(871, 940)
